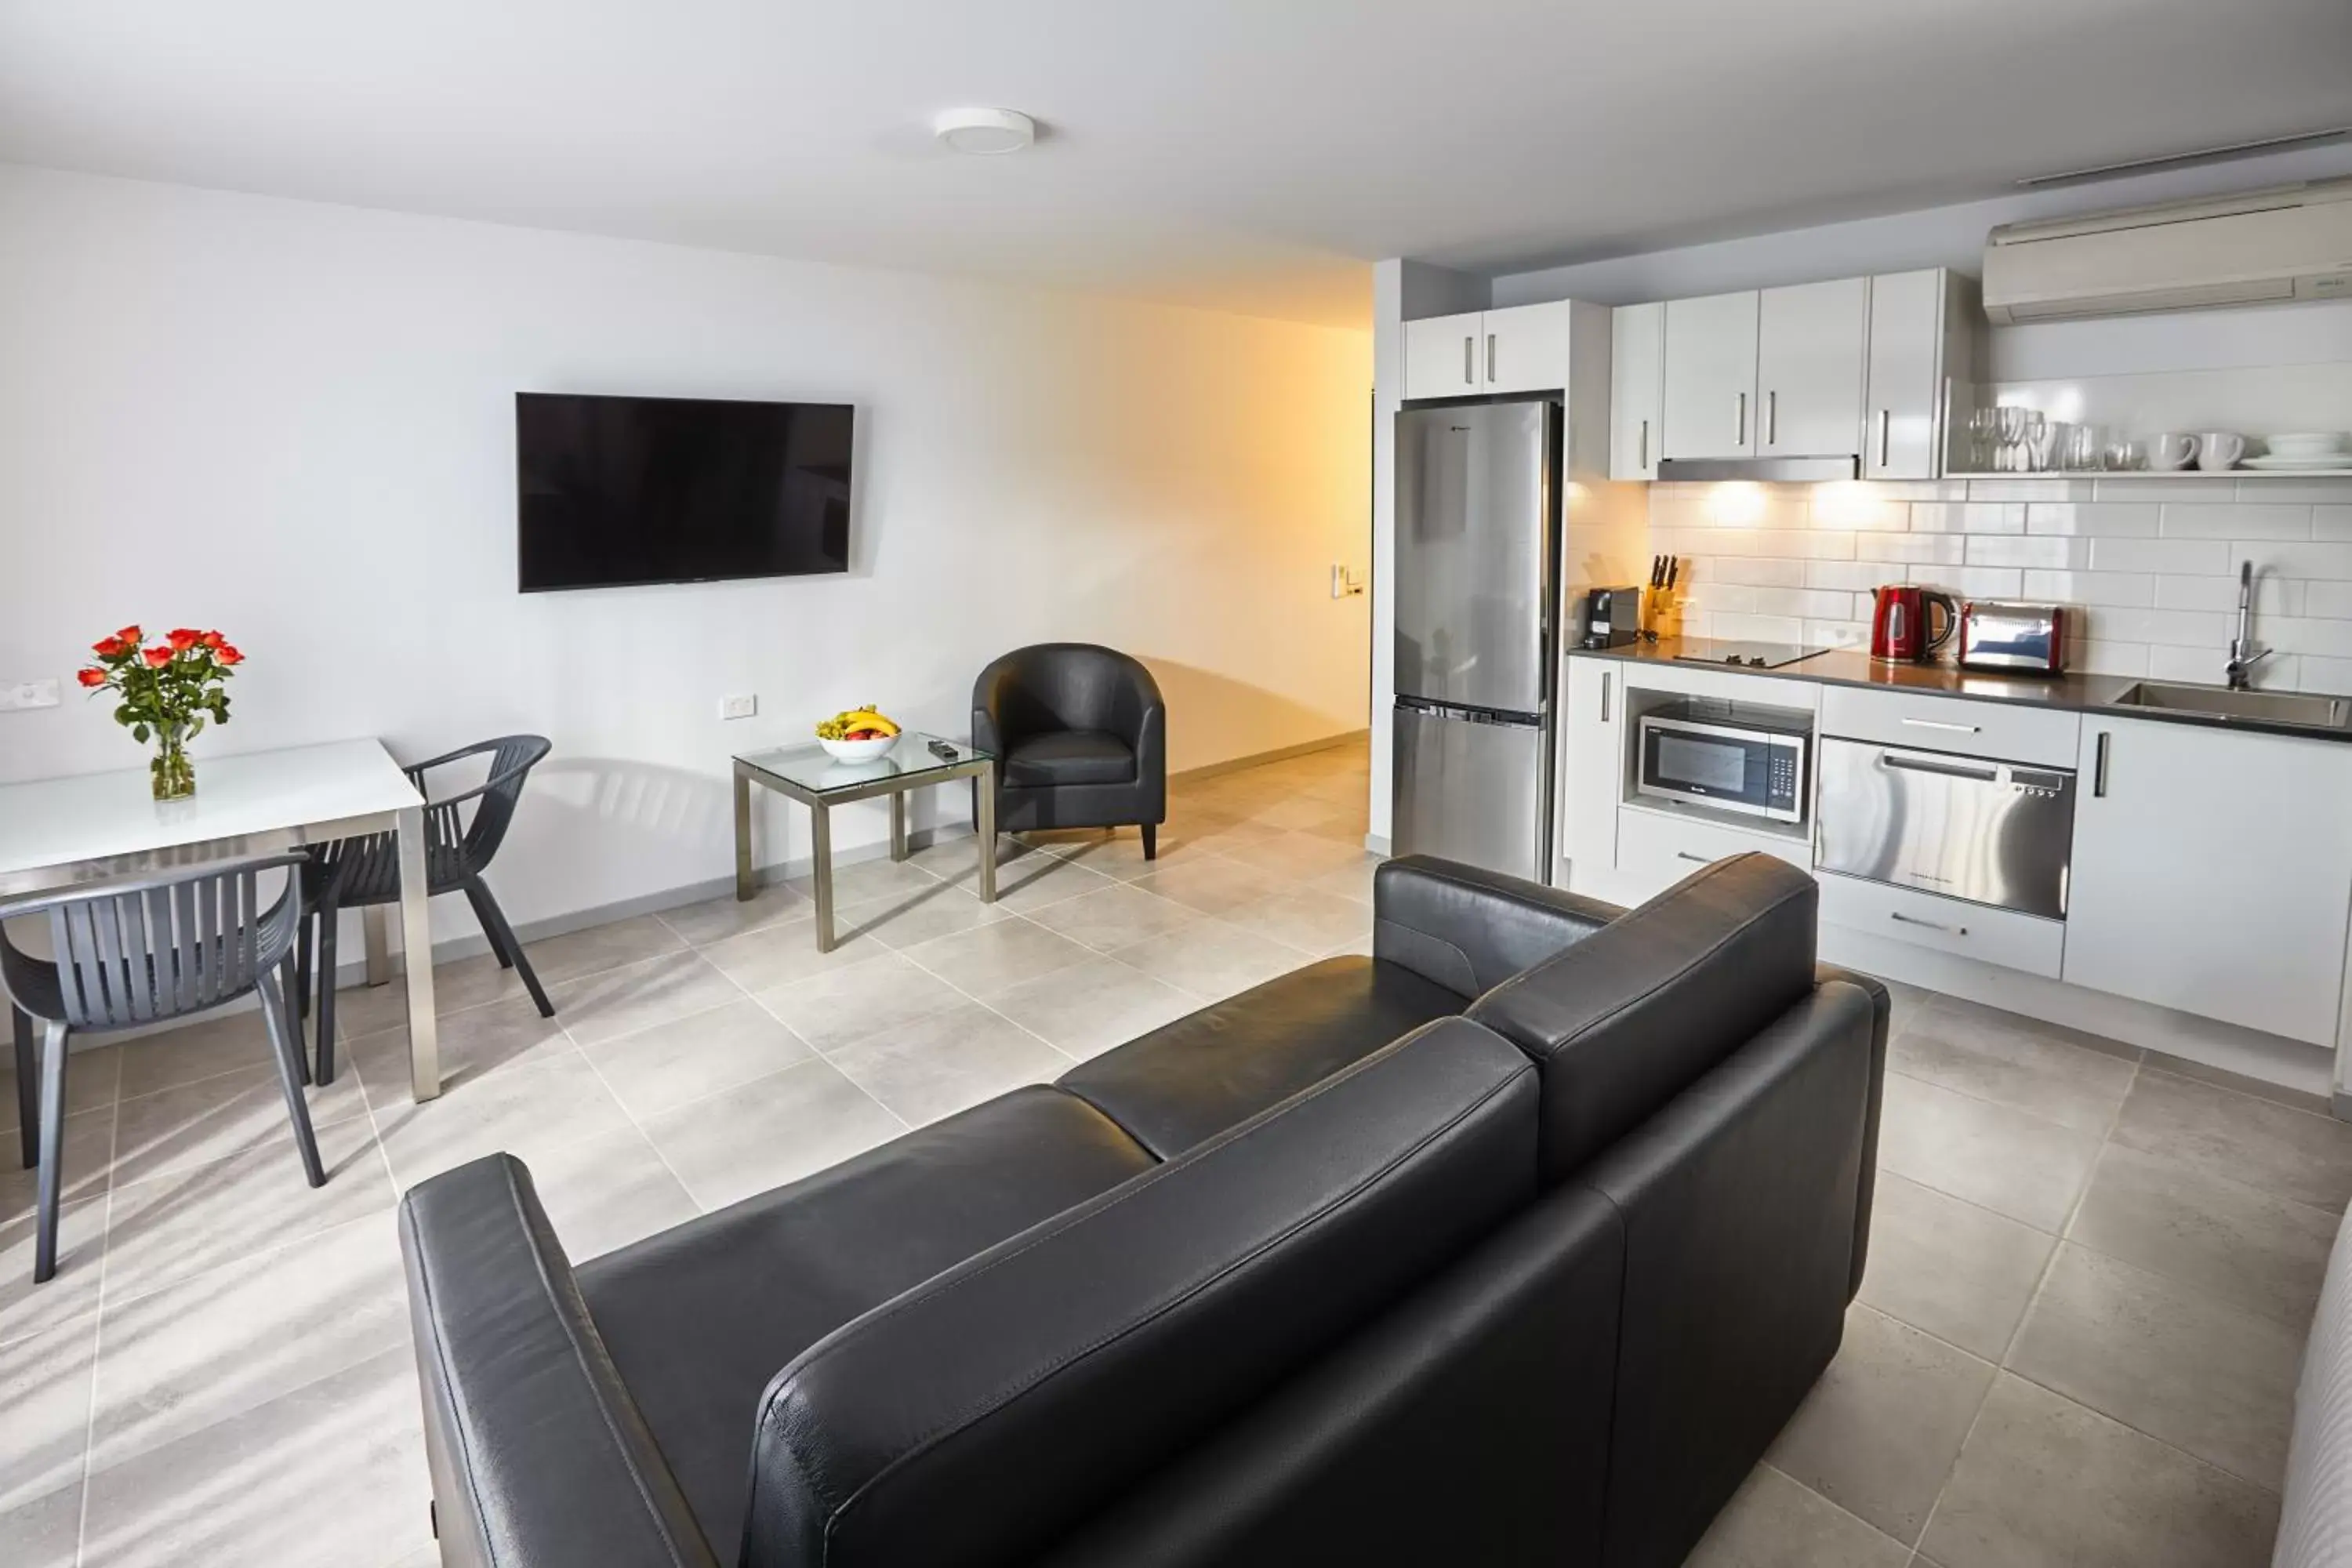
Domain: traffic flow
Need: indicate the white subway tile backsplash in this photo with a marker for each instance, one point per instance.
(2198, 520)
(1971, 517)
(2128, 590)
(2050, 489)
(2272, 595)
(1943, 549)
(2206, 555)
(2115, 520)
(1974, 581)
(2152, 562)
(1761, 571)
(2177, 628)
(2109, 658)
(1814, 604)
(2010, 550)
(2329, 561)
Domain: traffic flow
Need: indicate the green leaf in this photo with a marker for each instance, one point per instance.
(139, 734)
(195, 725)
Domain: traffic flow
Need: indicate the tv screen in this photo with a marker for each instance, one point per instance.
(615, 491)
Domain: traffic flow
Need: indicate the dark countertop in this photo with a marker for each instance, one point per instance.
(2072, 690)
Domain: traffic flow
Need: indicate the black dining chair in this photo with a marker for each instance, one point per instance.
(351, 873)
(133, 953)
(1081, 735)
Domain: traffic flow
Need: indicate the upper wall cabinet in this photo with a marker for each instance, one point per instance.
(1810, 343)
(1920, 337)
(1710, 392)
(1637, 389)
(1479, 353)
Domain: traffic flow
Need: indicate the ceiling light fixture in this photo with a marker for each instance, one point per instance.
(984, 132)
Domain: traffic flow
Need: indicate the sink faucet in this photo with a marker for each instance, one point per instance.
(2244, 654)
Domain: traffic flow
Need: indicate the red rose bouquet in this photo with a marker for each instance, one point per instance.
(165, 693)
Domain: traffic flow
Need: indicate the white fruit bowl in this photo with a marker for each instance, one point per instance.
(857, 751)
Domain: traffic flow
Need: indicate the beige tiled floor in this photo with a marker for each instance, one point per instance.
(2089, 1276)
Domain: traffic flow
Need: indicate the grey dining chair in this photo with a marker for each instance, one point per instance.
(132, 954)
(350, 873)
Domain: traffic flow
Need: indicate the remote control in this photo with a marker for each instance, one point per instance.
(942, 751)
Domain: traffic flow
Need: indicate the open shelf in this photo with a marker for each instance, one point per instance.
(1795, 833)
(2130, 474)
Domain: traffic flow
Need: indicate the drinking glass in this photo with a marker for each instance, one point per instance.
(1984, 440)
(2123, 454)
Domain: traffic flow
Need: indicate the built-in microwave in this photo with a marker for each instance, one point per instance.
(1743, 760)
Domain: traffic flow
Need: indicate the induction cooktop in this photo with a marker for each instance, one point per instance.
(1746, 655)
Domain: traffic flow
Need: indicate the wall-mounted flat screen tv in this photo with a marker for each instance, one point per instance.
(617, 491)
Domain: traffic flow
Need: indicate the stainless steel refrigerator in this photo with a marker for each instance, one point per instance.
(1477, 567)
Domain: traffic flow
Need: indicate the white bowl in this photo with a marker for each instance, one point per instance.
(857, 751)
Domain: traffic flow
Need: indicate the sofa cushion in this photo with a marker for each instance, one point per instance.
(1627, 1018)
(980, 1416)
(1184, 1083)
(1068, 757)
(698, 1319)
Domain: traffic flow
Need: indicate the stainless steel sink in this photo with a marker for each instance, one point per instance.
(2306, 708)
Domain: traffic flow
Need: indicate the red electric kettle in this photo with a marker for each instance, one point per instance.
(1903, 623)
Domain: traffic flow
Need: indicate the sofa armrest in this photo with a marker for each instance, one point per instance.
(1469, 929)
(539, 1457)
(1882, 1010)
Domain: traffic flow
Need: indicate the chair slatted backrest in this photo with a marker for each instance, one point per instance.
(516, 755)
(143, 952)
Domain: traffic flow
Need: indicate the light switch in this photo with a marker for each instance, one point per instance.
(18, 696)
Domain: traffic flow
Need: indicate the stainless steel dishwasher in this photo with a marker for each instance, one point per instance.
(1967, 827)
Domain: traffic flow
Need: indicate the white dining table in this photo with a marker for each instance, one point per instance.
(66, 832)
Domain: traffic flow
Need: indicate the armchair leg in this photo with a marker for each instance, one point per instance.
(28, 1086)
(1152, 841)
(51, 1181)
(502, 937)
(277, 1013)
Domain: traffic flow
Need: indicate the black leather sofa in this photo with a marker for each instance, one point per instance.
(1514, 1243)
(1081, 737)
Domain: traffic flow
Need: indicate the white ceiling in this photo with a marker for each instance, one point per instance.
(1250, 154)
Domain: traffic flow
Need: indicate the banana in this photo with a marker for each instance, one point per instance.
(866, 718)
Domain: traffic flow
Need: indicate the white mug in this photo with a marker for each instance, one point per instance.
(2171, 450)
(2219, 449)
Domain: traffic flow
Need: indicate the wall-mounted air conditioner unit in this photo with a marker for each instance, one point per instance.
(2292, 242)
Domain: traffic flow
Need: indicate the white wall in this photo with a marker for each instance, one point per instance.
(294, 422)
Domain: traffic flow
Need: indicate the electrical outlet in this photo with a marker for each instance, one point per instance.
(1345, 584)
(16, 696)
(743, 707)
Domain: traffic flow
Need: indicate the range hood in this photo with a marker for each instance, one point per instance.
(2280, 244)
(1783, 470)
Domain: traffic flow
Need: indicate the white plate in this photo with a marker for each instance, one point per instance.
(2296, 465)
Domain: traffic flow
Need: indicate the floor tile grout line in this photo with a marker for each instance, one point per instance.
(630, 1116)
(1766, 1464)
(97, 1327)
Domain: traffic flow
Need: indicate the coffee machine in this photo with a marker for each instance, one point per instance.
(1612, 617)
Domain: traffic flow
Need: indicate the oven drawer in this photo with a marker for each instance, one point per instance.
(2005, 937)
(2012, 733)
(1657, 847)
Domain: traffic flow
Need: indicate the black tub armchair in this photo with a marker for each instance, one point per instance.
(1081, 736)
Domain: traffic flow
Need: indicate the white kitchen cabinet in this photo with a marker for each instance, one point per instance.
(2212, 873)
(1657, 847)
(1637, 389)
(1525, 347)
(1443, 355)
(1922, 334)
(1522, 349)
(1811, 343)
(1591, 773)
(1710, 377)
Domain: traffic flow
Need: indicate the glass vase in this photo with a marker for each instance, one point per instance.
(173, 772)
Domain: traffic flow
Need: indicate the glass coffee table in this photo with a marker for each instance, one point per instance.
(807, 775)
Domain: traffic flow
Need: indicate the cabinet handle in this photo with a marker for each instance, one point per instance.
(2099, 769)
(1604, 697)
(1941, 724)
(1644, 463)
(1469, 362)
(1931, 925)
(1686, 855)
(1886, 434)
(1739, 423)
(1490, 356)
(1772, 419)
